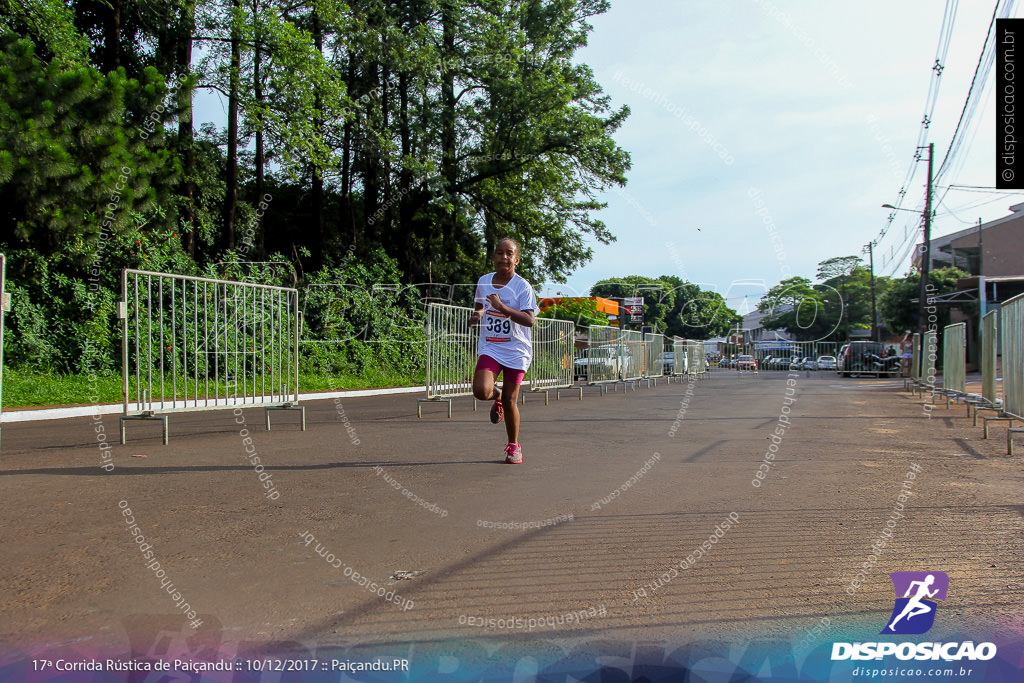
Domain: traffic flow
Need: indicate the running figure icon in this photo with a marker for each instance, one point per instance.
(915, 607)
(917, 593)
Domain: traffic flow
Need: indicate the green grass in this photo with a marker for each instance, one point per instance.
(24, 388)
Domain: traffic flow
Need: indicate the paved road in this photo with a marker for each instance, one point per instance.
(496, 544)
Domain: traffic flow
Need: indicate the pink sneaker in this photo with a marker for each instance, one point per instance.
(497, 413)
(513, 454)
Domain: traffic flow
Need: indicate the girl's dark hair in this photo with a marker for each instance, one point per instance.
(519, 250)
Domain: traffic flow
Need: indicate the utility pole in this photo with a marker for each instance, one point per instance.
(982, 295)
(874, 308)
(926, 259)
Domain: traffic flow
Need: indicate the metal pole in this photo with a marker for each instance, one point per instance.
(926, 255)
(981, 271)
(874, 308)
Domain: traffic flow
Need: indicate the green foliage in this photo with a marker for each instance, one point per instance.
(75, 155)
(696, 313)
(898, 308)
(403, 138)
(673, 306)
(804, 311)
(50, 23)
(659, 296)
(63, 316)
(357, 315)
(32, 388)
(828, 310)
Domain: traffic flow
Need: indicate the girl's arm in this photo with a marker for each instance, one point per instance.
(525, 318)
(474, 319)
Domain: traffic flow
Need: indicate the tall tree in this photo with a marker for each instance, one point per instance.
(898, 305)
(696, 313)
(50, 25)
(75, 157)
(659, 296)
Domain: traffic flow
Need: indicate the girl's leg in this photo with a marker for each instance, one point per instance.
(483, 385)
(509, 396)
(484, 375)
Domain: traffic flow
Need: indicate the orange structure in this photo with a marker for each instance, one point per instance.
(606, 306)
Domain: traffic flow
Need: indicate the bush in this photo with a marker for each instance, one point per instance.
(357, 315)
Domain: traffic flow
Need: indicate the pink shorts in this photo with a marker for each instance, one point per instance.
(485, 362)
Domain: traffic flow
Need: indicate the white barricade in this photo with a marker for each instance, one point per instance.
(929, 354)
(192, 343)
(680, 358)
(954, 349)
(1011, 323)
(989, 349)
(654, 360)
(631, 345)
(451, 355)
(603, 358)
(552, 365)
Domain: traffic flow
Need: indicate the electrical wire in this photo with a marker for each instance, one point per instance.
(941, 52)
(985, 61)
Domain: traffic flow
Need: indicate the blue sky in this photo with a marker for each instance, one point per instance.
(807, 112)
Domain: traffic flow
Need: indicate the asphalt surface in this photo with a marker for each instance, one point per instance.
(604, 521)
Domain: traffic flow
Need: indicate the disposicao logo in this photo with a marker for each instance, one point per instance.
(916, 593)
(914, 613)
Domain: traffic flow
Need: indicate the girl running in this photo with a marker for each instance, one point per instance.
(505, 309)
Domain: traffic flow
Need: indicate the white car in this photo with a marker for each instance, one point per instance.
(598, 364)
(827, 363)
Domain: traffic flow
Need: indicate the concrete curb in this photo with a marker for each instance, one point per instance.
(114, 408)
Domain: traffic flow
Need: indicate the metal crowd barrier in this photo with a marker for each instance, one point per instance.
(192, 343)
(989, 350)
(631, 355)
(679, 357)
(451, 355)
(786, 355)
(929, 354)
(552, 365)
(954, 369)
(696, 359)
(603, 354)
(914, 379)
(989, 400)
(654, 360)
(1012, 327)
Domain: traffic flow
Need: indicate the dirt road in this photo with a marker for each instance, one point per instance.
(597, 535)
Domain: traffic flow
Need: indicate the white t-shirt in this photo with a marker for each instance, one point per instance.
(500, 338)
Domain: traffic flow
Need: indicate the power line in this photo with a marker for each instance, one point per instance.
(983, 188)
(941, 52)
(984, 68)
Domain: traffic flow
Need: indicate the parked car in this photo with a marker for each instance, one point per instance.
(597, 364)
(827, 363)
(746, 362)
(670, 362)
